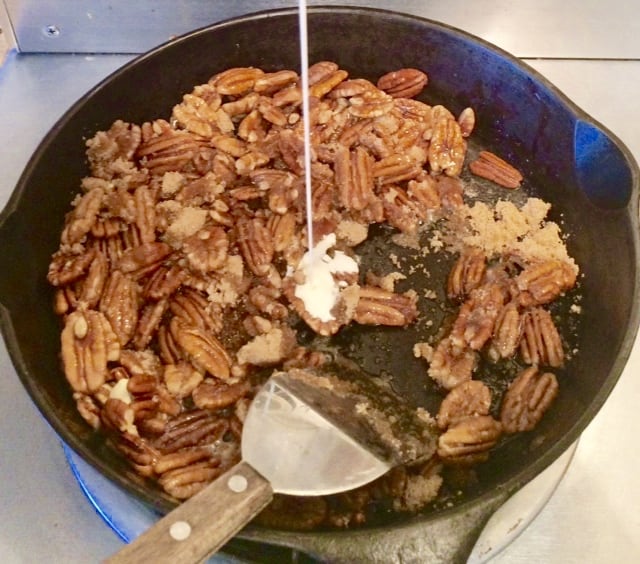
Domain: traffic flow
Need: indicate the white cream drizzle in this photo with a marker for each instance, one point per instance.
(320, 291)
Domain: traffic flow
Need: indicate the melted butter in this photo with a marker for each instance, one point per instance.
(320, 291)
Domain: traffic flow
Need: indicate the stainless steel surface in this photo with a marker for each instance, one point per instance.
(546, 28)
(298, 450)
(7, 39)
(592, 517)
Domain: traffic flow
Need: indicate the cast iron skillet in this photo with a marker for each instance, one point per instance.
(567, 158)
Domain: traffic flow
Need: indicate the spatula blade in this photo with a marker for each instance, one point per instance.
(312, 432)
(299, 451)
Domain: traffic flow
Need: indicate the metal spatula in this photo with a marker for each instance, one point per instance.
(306, 433)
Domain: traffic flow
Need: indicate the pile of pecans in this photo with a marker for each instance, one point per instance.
(178, 264)
(501, 313)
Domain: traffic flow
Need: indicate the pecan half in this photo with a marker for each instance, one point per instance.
(119, 304)
(401, 211)
(466, 274)
(470, 440)
(507, 333)
(214, 394)
(370, 104)
(168, 151)
(326, 83)
(527, 399)
(141, 454)
(543, 282)
(251, 160)
(230, 145)
(256, 245)
(93, 284)
(235, 81)
(201, 348)
(396, 168)
(144, 258)
(476, 319)
(266, 300)
(83, 217)
(288, 96)
(169, 350)
(148, 322)
(451, 366)
(283, 231)
(468, 399)
(541, 343)
(381, 307)
(272, 113)
(191, 306)
(206, 250)
(190, 471)
(493, 168)
(181, 379)
(69, 267)
(191, 429)
(273, 81)
(282, 198)
(291, 147)
(447, 148)
(198, 110)
(467, 121)
(252, 127)
(403, 83)
(145, 214)
(353, 87)
(321, 70)
(241, 107)
(88, 343)
(354, 177)
(88, 409)
(424, 191)
(164, 282)
(118, 416)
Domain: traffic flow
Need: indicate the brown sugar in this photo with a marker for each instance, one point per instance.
(508, 230)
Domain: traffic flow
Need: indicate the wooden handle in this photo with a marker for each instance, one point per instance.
(202, 524)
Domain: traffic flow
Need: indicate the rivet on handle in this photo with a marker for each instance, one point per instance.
(237, 483)
(180, 530)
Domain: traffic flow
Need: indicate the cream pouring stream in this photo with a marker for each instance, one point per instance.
(304, 69)
(319, 291)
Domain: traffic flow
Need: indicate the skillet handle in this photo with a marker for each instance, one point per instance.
(606, 170)
(447, 539)
(201, 525)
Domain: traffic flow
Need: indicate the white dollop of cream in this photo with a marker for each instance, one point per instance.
(320, 291)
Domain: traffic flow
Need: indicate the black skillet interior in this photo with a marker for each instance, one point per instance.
(567, 159)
